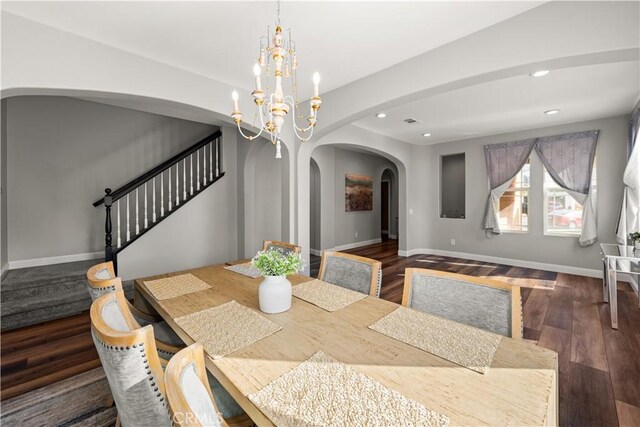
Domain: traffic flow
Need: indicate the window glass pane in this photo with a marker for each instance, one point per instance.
(513, 207)
(563, 213)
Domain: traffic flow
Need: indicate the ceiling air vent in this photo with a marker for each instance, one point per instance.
(410, 121)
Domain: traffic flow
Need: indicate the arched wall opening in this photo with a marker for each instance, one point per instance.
(393, 154)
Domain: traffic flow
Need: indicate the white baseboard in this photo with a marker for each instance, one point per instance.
(393, 236)
(356, 244)
(315, 252)
(4, 270)
(36, 262)
(558, 268)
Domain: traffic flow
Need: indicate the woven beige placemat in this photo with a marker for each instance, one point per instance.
(465, 345)
(246, 269)
(325, 295)
(226, 328)
(174, 286)
(325, 392)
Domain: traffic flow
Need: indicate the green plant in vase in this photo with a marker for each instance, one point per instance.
(274, 293)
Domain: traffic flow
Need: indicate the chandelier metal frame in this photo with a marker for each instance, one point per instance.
(278, 55)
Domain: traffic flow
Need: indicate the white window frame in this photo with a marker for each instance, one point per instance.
(577, 231)
(528, 195)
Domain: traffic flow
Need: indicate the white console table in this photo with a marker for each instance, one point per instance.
(618, 259)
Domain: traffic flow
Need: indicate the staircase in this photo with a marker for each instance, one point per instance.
(138, 206)
(40, 294)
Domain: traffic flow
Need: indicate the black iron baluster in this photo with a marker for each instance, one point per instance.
(108, 249)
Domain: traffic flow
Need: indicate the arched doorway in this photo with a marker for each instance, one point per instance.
(389, 218)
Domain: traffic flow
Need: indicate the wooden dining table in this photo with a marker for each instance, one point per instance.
(520, 388)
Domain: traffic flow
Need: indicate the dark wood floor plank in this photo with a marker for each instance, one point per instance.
(623, 356)
(587, 341)
(536, 308)
(560, 309)
(628, 415)
(590, 398)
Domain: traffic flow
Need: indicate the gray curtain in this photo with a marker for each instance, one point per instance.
(504, 161)
(569, 160)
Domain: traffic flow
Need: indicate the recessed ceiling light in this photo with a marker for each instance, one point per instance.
(539, 73)
(426, 134)
(551, 112)
(381, 115)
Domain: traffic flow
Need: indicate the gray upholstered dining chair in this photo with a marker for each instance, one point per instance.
(96, 276)
(353, 272)
(284, 247)
(131, 364)
(98, 287)
(196, 398)
(484, 303)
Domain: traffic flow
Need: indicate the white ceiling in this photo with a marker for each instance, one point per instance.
(346, 41)
(516, 103)
(343, 40)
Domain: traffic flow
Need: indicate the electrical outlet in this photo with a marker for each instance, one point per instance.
(356, 234)
(453, 242)
(410, 211)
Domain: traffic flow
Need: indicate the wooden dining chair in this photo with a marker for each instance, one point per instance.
(131, 363)
(167, 341)
(484, 303)
(99, 287)
(96, 276)
(353, 272)
(196, 398)
(284, 247)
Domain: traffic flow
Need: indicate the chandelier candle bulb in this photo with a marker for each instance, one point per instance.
(316, 83)
(256, 72)
(234, 96)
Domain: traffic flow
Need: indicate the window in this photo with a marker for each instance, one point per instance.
(563, 212)
(513, 206)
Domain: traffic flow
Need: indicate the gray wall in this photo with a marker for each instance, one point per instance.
(4, 256)
(266, 196)
(470, 238)
(339, 227)
(203, 232)
(62, 153)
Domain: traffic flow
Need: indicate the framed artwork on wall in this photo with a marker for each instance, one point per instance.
(358, 193)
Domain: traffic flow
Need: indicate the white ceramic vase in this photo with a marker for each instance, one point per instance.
(637, 245)
(274, 294)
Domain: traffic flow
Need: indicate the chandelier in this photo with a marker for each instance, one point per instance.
(277, 56)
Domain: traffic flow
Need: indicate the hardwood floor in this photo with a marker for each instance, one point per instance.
(599, 367)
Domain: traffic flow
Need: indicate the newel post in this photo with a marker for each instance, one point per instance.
(108, 249)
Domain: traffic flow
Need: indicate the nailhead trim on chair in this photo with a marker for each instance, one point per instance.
(111, 288)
